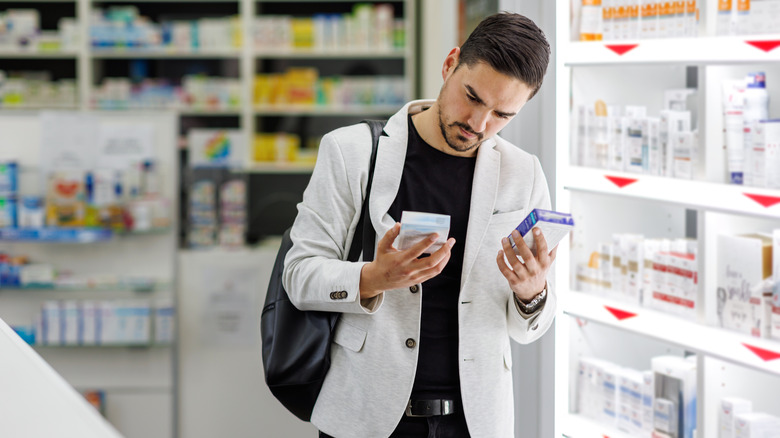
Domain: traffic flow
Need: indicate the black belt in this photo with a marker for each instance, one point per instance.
(429, 408)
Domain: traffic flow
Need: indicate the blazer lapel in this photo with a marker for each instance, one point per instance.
(483, 199)
(390, 158)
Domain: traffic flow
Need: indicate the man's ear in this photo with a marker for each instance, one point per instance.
(450, 62)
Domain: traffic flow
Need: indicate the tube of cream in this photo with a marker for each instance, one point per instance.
(733, 107)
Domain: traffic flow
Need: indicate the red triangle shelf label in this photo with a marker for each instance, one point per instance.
(620, 314)
(765, 355)
(621, 49)
(766, 201)
(766, 46)
(620, 181)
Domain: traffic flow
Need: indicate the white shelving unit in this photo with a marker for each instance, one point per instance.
(636, 72)
(89, 62)
(138, 380)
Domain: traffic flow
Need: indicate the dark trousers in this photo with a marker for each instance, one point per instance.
(440, 426)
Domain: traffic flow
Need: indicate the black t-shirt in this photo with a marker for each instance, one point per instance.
(435, 182)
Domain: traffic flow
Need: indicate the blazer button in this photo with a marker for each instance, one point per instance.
(414, 289)
(343, 294)
(333, 295)
(410, 343)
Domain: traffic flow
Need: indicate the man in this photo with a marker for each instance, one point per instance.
(422, 346)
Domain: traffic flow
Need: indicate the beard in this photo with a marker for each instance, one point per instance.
(453, 138)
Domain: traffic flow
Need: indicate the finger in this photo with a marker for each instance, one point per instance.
(419, 248)
(553, 253)
(386, 242)
(436, 257)
(525, 252)
(506, 271)
(435, 270)
(520, 268)
(542, 254)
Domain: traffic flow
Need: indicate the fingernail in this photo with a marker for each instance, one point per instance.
(505, 239)
(537, 231)
(433, 237)
(451, 243)
(515, 233)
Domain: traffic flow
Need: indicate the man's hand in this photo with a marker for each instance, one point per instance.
(527, 277)
(393, 269)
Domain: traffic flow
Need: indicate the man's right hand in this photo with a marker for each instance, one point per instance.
(393, 268)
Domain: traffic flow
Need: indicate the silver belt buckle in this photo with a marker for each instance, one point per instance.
(409, 410)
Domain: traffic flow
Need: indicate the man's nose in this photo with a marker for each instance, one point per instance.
(478, 121)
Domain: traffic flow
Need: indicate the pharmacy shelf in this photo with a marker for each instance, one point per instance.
(728, 198)
(165, 53)
(63, 291)
(309, 110)
(369, 53)
(291, 168)
(180, 111)
(36, 54)
(55, 235)
(757, 353)
(705, 50)
(576, 426)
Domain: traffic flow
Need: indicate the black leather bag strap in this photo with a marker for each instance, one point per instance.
(366, 244)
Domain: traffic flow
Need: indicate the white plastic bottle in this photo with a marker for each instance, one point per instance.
(756, 109)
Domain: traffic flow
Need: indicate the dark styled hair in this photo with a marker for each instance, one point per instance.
(511, 44)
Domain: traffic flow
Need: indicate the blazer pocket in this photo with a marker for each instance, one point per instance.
(350, 337)
(508, 217)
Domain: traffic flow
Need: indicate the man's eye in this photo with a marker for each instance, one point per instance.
(471, 98)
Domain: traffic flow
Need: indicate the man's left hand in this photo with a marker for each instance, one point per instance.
(526, 277)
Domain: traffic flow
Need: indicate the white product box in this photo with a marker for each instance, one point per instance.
(651, 145)
(36, 275)
(107, 323)
(587, 279)
(630, 383)
(89, 315)
(615, 152)
(416, 226)
(682, 276)
(743, 263)
(672, 123)
(610, 373)
(164, 322)
(619, 267)
(675, 381)
(730, 407)
(665, 417)
(660, 297)
(677, 99)
(554, 225)
(766, 154)
(51, 323)
(756, 425)
(606, 280)
(648, 398)
(685, 147)
(651, 247)
(634, 253)
(632, 140)
(72, 322)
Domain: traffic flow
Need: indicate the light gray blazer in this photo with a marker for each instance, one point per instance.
(372, 370)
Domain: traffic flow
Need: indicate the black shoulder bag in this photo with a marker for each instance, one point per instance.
(296, 344)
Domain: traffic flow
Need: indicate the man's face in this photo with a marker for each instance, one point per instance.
(475, 103)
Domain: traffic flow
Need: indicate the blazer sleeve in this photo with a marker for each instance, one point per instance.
(316, 275)
(528, 328)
